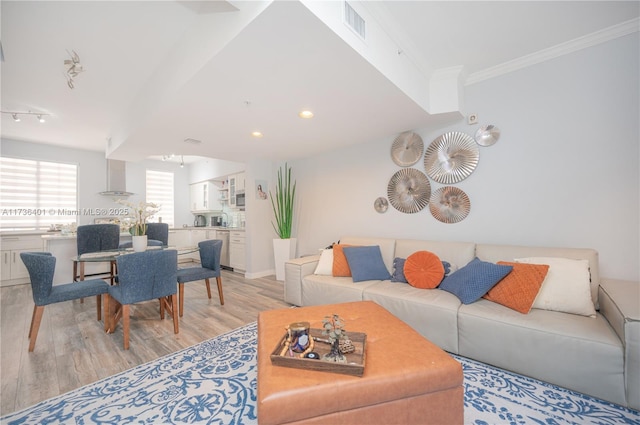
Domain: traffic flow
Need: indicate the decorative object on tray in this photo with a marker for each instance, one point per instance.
(381, 205)
(487, 135)
(449, 204)
(451, 157)
(409, 190)
(407, 149)
(298, 341)
(333, 328)
(355, 360)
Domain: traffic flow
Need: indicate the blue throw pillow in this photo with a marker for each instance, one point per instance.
(366, 263)
(447, 268)
(474, 280)
(398, 270)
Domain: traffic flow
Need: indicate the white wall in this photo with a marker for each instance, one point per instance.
(564, 172)
(209, 169)
(92, 176)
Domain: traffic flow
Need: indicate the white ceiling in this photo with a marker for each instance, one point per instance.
(158, 72)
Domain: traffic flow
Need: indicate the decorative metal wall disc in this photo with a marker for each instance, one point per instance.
(449, 204)
(407, 149)
(451, 158)
(487, 135)
(409, 190)
(381, 205)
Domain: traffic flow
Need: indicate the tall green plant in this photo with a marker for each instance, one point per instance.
(282, 203)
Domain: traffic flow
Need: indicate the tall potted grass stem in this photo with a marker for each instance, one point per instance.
(284, 247)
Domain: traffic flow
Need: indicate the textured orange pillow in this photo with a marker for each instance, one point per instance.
(423, 269)
(518, 290)
(340, 263)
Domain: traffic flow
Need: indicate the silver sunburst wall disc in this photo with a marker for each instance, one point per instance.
(407, 149)
(451, 158)
(409, 190)
(487, 135)
(449, 204)
(381, 205)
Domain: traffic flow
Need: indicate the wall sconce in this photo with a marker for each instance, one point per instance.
(181, 161)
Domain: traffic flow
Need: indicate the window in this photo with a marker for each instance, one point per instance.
(160, 191)
(36, 194)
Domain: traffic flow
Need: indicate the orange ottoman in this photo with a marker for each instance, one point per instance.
(406, 380)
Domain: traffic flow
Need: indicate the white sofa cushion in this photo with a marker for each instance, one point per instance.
(566, 286)
(495, 253)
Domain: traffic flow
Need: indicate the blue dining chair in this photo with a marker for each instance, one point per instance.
(157, 235)
(41, 267)
(210, 267)
(142, 276)
(94, 238)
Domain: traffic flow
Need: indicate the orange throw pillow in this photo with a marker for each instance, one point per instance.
(340, 263)
(518, 289)
(423, 269)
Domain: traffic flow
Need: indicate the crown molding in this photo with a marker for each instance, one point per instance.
(598, 37)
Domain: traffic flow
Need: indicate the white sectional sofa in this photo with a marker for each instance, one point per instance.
(599, 356)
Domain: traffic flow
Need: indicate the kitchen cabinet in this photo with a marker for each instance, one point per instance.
(237, 251)
(236, 185)
(13, 269)
(204, 197)
(179, 237)
(197, 236)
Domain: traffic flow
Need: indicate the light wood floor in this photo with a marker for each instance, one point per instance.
(72, 350)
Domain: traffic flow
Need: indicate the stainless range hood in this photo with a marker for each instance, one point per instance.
(116, 179)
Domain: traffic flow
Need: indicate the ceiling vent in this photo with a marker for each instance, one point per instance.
(354, 21)
(192, 141)
(116, 179)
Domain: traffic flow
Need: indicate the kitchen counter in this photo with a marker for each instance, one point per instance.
(241, 229)
(24, 232)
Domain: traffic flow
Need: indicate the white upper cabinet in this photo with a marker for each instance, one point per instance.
(205, 197)
(236, 185)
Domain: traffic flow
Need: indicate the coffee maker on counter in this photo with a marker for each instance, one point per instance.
(200, 221)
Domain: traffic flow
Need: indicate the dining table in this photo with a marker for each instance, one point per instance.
(110, 255)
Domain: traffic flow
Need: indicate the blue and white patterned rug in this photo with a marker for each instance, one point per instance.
(214, 382)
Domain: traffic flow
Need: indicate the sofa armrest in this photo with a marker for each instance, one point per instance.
(620, 305)
(294, 271)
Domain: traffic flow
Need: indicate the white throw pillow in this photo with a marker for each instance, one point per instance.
(325, 265)
(566, 287)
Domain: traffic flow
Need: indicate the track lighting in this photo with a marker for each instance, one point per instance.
(16, 115)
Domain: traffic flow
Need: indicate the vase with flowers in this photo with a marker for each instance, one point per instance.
(138, 215)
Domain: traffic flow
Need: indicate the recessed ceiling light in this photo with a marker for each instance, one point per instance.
(256, 134)
(306, 114)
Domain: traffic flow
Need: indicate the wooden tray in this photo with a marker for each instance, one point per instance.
(355, 361)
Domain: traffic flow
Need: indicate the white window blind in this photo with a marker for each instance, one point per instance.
(37, 194)
(160, 191)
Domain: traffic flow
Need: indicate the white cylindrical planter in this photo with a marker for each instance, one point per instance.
(139, 243)
(283, 250)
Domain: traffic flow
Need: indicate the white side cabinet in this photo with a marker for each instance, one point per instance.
(237, 251)
(14, 271)
(197, 236)
(181, 238)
